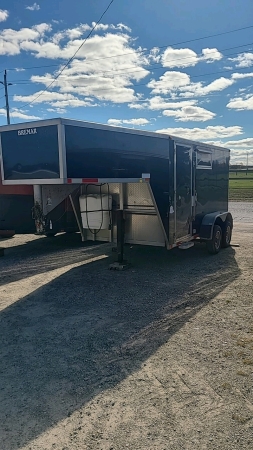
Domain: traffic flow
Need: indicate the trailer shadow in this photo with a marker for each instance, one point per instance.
(88, 329)
(42, 255)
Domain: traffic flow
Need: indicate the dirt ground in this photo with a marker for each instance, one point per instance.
(157, 357)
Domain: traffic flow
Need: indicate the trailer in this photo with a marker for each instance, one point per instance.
(120, 185)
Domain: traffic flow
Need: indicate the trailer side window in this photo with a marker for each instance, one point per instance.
(204, 160)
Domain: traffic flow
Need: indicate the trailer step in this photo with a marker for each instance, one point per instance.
(186, 245)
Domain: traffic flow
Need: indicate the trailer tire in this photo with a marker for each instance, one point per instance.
(226, 235)
(49, 235)
(214, 245)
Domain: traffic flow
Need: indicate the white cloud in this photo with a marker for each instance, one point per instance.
(185, 57)
(122, 27)
(211, 55)
(168, 82)
(182, 57)
(245, 143)
(12, 41)
(19, 114)
(143, 105)
(57, 110)
(200, 134)
(55, 99)
(97, 47)
(4, 14)
(190, 113)
(243, 60)
(102, 67)
(63, 44)
(241, 143)
(218, 143)
(199, 89)
(118, 122)
(154, 55)
(93, 74)
(34, 7)
(239, 157)
(160, 103)
(180, 83)
(108, 67)
(238, 76)
(241, 103)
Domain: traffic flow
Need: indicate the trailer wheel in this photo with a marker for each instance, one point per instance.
(48, 235)
(226, 235)
(214, 245)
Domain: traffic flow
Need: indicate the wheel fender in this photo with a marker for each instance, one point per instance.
(209, 220)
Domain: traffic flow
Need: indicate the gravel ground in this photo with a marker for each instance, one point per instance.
(242, 211)
(156, 357)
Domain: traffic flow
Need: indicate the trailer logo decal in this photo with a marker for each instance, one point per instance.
(27, 131)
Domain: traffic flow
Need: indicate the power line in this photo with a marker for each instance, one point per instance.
(133, 85)
(33, 67)
(187, 57)
(143, 84)
(151, 67)
(71, 59)
(142, 51)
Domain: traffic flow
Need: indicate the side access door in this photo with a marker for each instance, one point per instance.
(184, 187)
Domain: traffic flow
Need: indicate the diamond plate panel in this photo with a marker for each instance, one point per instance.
(53, 195)
(143, 229)
(138, 195)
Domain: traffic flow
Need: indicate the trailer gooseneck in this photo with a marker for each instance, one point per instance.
(120, 185)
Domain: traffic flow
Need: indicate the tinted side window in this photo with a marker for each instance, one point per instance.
(204, 160)
(101, 153)
(31, 154)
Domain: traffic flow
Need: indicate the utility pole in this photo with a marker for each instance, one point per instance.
(6, 96)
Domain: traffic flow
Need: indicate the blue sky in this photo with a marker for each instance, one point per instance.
(149, 65)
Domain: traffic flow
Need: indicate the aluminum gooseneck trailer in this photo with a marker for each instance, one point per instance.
(120, 185)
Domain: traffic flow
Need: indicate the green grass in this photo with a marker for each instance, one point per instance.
(241, 186)
(239, 174)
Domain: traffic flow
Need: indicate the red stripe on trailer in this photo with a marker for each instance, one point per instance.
(69, 180)
(89, 180)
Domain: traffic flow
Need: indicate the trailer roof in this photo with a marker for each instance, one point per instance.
(80, 123)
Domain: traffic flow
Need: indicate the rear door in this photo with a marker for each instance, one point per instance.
(183, 192)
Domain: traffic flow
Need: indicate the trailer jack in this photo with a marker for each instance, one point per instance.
(121, 263)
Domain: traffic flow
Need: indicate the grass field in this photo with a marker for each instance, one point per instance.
(241, 186)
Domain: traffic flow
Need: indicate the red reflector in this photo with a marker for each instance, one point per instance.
(89, 180)
(69, 180)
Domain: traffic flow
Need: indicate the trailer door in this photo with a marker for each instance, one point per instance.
(182, 192)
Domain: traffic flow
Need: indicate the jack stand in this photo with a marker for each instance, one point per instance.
(121, 264)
